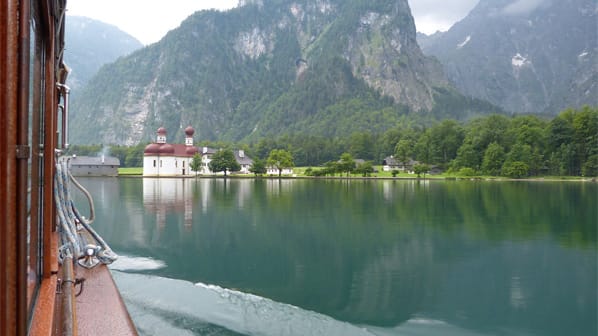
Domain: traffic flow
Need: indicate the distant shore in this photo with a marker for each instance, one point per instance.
(138, 172)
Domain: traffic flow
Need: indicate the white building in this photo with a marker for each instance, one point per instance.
(391, 163)
(206, 157)
(163, 159)
(244, 161)
(274, 171)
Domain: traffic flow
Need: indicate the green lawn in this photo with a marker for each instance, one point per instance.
(130, 171)
(300, 172)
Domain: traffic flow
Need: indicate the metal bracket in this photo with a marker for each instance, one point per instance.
(78, 281)
(59, 286)
(23, 152)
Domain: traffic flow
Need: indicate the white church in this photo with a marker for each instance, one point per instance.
(163, 159)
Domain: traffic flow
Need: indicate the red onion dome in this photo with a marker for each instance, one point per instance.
(191, 150)
(189, 131)
(161, 131)
(152, 149)
(166, 149)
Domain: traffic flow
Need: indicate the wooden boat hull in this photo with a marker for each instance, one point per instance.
(35, 289)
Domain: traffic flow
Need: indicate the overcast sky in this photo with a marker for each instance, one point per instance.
(157, 17)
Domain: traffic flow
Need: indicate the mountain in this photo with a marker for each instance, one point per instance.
(85, 58)
(426, 41)
(272, 67)
(524, 55)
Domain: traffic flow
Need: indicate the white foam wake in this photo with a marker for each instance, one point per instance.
(128, 263)
(240, 312)
(175, 307)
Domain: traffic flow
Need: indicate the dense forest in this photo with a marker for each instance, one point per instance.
(497, 145)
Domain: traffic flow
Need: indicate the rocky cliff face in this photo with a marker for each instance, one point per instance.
(266, 66)
(383, 51)
(524, 55)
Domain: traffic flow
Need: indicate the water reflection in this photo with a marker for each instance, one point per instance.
(485, 256)
(162, 196)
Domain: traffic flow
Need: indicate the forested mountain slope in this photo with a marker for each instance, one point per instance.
(271, 67)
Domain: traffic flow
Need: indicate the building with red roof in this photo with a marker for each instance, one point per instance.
(163, 159)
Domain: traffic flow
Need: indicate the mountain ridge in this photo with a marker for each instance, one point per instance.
(267, 68)
(85, 58)
(526, 56)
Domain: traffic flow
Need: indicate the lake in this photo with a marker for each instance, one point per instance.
(352, 257)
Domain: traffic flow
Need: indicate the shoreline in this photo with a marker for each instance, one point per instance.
(384, 178)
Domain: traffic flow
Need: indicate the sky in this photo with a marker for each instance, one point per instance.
(439, 15)
(158, 16)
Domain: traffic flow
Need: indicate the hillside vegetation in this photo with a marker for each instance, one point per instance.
(495, 145)
(325, 68)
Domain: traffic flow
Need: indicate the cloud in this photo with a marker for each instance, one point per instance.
(433, 15)
(152, 18)
(522, 7)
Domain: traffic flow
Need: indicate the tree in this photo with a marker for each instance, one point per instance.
(119, 152)
(585, 125)
(520, 152)
(528, 130)
(590, 168)
(365, 169)
(423, 148)
(467, 157)
(445, 140)
(258, 167)
(280, 159)
(403, 150)
(563, 160)
(421, 168)
(361, 145)
(494, 158)
(195, 163)
(331, 168)
(560, 130)
(466, 171)
(515, 169)
(224, 161)
(388, 141)
(134, 156)
(346, 164)
(85, 150)
(484, 131)
(479, 135)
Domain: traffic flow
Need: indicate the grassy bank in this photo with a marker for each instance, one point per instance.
(130, 171)
(300, 172)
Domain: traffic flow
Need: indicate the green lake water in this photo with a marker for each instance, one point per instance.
(339, 257)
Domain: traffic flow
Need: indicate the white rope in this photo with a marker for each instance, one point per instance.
(69, 218)
(68, 231)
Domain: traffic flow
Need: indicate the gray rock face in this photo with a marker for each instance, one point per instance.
(383, 51)
(524, 55)
(91, 44)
